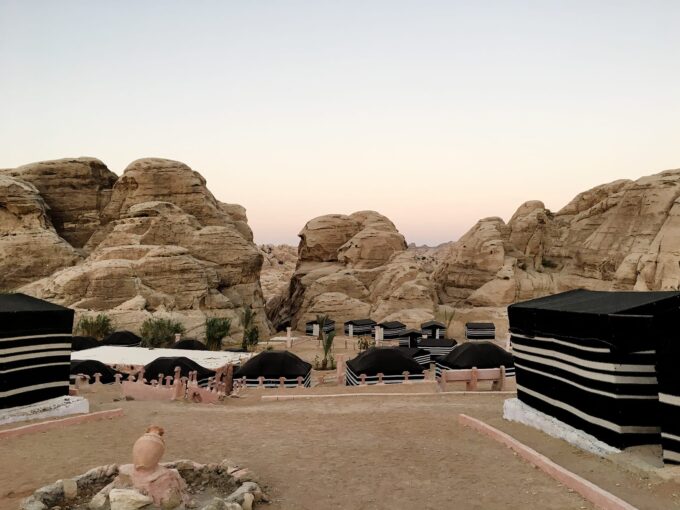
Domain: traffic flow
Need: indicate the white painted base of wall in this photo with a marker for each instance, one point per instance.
(517, 411)
(52, 408)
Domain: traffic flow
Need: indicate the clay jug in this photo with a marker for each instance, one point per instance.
(148, 449)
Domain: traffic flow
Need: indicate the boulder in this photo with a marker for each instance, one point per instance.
(30, 248)
(75, 190)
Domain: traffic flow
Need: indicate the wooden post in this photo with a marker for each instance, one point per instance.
(380, 378)
(362, 379)
(260, 381)
(471, 385)
(282, 382)
(300, 381)
(405, 374)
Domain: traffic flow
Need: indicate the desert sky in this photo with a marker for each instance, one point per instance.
(434, 113)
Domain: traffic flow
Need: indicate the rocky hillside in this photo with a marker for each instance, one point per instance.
(621, 235)
(353, 267)
(624, 235)
(277, 269)
(154, 241)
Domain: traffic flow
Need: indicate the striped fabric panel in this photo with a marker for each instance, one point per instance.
(34, 367)
(670, 426)
(438, 351)
(611, 396)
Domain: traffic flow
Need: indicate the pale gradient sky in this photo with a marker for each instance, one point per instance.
(435, 113)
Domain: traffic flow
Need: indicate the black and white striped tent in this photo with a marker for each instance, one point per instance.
(382, 364)
(165, 366)
(328, 327)
(421, 356)
(480, 354)
(434, 329)
(668, 376)
(480, 331)
(272, 365)
(122, 339)
(589, 359)
(35, 350)
(360, 327)
(393, 330)
(410, 338)
(437, 347)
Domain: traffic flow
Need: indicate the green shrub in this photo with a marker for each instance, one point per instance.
(97, 327)
(251, 333)
(215, 330)
(158, 332)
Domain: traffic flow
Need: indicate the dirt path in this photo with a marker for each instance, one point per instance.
(370, 453)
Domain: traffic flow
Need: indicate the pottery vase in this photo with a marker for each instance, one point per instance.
(147, 451)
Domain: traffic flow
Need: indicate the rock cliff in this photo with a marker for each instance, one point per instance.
(352, 267)
(155, 242)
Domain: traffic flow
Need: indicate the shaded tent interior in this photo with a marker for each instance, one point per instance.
(123, 339)
(189, 344)
(166, 366)
(360, 327)
(81, 343)
(91, 367)
(272, 365)
(41, 332)
(595, 360)
(480, 331)
(388, 361)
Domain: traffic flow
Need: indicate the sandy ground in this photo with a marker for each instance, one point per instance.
(366, 452)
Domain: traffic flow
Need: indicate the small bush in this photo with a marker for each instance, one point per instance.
(160, 332)
(251, 333)
(97, 327)
(215, 330)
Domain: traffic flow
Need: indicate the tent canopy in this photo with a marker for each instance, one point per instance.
(627, 321)
(126, 338)
(392, 325)
(385, 360)
(477, 354)
(19, 313)
(166, 366)
(432, 325)
(274, 364)
(91, 367)
(189, 344)
(480, 325)
(80, 343)
(361, 322)
(437, 342)
(413, 352)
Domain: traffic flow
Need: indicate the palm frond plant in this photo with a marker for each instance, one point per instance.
(97, 327)
(251, 333)
(327, 344)
(321, 320)
(157, 332)
(216, 328)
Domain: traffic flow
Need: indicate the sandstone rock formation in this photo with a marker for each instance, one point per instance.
(277, 269)
(352, 267)
(30, 247)
(162, 244)
(75, 190)
(619, 236)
